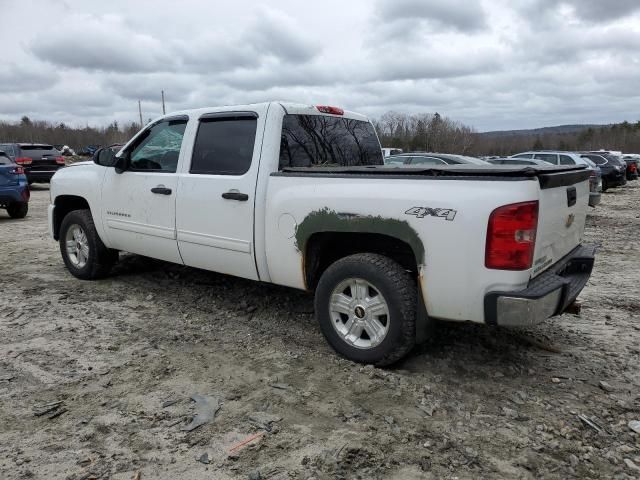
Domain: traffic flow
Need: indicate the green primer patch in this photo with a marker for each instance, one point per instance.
(327, 220)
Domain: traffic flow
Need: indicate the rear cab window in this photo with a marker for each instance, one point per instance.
(322, 141)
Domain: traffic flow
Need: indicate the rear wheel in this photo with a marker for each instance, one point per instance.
(18, 209)
(366, 307)
(82, 250)
(605, 185)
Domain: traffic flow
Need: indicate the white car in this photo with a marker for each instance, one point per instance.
(298, 195)
(560, 157)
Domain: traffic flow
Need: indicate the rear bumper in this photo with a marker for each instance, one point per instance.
(594, 198)
(14, 193)
(40, 176)
(547, 295)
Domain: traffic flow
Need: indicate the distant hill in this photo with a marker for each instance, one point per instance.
(560, 129)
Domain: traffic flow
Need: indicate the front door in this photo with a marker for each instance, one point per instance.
(215, 208)
(139, 204)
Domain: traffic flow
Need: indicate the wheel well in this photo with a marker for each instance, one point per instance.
(322, 249)
(65, 204)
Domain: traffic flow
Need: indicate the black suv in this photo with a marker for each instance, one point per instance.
(39, 160)
(613, 170)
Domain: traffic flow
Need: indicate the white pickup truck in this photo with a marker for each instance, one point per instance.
(298, 195)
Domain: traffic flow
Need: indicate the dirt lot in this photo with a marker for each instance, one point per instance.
(475, 402)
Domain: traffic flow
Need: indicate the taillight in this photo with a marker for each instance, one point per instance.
(511, 236)
(331, 110)
(633, 168)
(60, 160)
(17, 171)
(23, 161)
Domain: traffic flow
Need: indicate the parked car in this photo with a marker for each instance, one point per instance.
(39, 160)
(386, 151)
(302, 199)
(14, 188)
(613, 173)
(561, 157)
(632, 165)
(423, 158)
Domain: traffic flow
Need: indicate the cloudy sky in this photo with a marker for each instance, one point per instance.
(494, 64)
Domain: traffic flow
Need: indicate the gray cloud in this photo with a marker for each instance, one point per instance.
(595, 11)
(462, 15)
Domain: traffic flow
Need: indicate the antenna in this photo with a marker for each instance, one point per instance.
(164, 112)
(140, 112)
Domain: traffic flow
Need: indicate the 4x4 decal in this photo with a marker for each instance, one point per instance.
(422, 212)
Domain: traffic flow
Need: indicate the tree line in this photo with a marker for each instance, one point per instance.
(38, 131)
(418, 132)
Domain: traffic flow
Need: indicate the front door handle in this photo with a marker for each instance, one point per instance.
(235, 195)
(162, 190)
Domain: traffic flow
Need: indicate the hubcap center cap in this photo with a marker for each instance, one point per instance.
(360, 312)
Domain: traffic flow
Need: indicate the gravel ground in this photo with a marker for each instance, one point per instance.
(96, 378)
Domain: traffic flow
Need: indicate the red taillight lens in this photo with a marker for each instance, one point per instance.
(633, 168)
(331, 110)
(23, 161)
(60, 160)
(511, 236)
(18, 171)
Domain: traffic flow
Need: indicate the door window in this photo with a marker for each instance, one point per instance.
(547, 157)
(426, 161)
(224, 146)
(566, 160)
(159, 147)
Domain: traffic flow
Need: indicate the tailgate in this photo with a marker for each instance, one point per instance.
(564, 200)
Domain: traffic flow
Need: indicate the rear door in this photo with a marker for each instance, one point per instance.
(215, 207)
(563, 205)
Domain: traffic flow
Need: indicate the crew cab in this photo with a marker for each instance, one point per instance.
(298, 195)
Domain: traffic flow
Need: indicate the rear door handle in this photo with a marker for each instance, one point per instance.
(161, 190)
(235, 195)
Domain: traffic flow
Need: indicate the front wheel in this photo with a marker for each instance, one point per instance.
(18, 209)
(82, 250)
(366, 307)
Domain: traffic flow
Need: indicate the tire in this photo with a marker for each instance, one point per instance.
(18, 209)
(94, 260)
(343, 313)
(605, 186)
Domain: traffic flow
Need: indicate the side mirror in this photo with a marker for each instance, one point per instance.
(105, 157)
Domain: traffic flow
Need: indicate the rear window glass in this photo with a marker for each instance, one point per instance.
(566, 160)
(224, 146)
(4, 160)
(36, 147)
(323, 141)
(8, 149)
(597, 159)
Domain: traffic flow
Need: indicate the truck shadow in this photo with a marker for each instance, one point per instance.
(468, 347)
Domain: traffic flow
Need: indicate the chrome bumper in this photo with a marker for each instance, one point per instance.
(549, 294)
